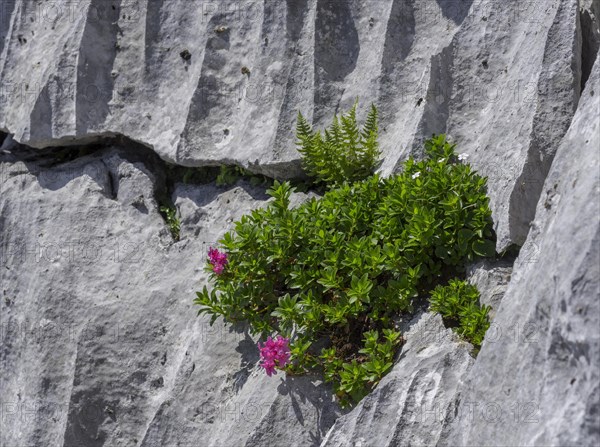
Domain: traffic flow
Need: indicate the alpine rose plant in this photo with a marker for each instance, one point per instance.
(217, 259)
(274, 353)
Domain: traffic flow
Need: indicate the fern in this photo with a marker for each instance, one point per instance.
(369, 143)
(343, 152)
(308, 144)
(351, 132)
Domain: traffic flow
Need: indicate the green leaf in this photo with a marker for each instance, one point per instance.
(484, 248)
(342, 153)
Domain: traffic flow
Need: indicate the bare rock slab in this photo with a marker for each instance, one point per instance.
(100, 341)
(540, 384)
(204, 83)
(411, 404)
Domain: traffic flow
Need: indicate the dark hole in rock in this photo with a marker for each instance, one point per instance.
(186, 55)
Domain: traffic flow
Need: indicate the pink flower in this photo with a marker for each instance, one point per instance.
(269, 367)
(217, 259)
(274, 353)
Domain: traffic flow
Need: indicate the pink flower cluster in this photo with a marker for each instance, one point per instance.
(217, 259)
(274, 353)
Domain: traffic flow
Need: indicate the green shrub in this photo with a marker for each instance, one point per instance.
(342, 152)
(458, 303)
(170, 216)
(333, 273)
(229, 175)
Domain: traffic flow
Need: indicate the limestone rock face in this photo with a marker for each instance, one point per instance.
(100, 344)
(538, 380)
(410, 404)
(491, 279)
(221, 82)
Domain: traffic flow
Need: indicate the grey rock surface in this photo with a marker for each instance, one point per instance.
(491, 279)
(221, 81)
(411, 403)
(100, 343)
(538, 383)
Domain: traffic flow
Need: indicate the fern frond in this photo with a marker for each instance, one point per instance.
(369, 144)
(343, 152)
(337, 136)
(350, 130)
(308, 144)
(304, 130)
(371, 126)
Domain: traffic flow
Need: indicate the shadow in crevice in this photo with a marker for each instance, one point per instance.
(97, 53)
(8, 8)
(214, 97)
(55, 167)
(455, 10)
(93, 405)
(86, 419)
(152, 50)
(436, 105)
(590, 36)
(400, 35)
(296, 13)
(40, 121)
(250, 356)
(336, 53)
(303, 389)
(202, 195)
(526, 194)
(558, 97)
